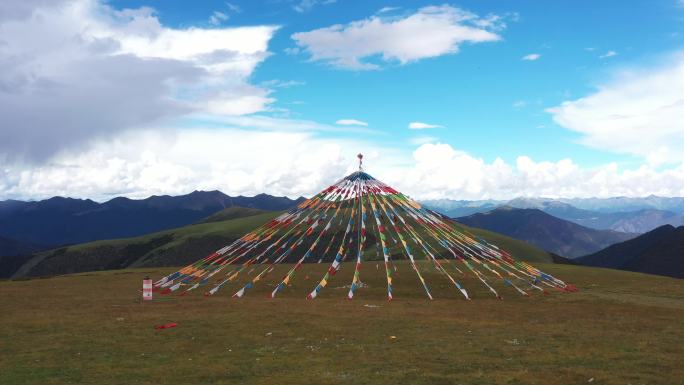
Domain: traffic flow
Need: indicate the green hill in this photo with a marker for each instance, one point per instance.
(165, 248)
(90, 328)
(186, 244)
(234, 212)
(659, 251)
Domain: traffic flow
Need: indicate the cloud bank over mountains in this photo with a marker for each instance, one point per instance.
(139, 164)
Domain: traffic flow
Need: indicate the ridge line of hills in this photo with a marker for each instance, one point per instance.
(184, 245)
(166, 230)
(546, 231)
(629, 215)
(62, 221)
(660, 251)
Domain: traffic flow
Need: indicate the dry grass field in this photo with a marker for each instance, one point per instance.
(91, 328)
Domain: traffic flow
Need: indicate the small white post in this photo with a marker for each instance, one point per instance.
(147, 289)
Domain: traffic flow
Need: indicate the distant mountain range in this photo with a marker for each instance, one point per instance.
(631, 215)
(13, 254)
(660, 251)
(172, 230)
(545, 231)
(461, 208)
(60, 221)
(183, 245)
(12, 247)
(638, 221)
(171, 247)
(617, 204)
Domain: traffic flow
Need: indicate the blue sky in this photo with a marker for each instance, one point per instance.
(504, 82)
(489, 101)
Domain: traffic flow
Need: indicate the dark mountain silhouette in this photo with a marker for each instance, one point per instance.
(61, 221)
(11, 247)
(660, 251)
(180, 246)
(545, 231)
(15, 253)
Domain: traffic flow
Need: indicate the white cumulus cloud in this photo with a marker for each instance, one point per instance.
(439, 171)
(639, 112)
(138, 164)
(351, 122)
(430, 32)
(72, 71)
(531, 57)
(422, 126)
(236, 161)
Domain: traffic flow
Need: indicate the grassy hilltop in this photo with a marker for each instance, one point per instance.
(620, 328)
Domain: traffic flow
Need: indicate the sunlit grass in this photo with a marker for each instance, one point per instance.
(620, 328)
